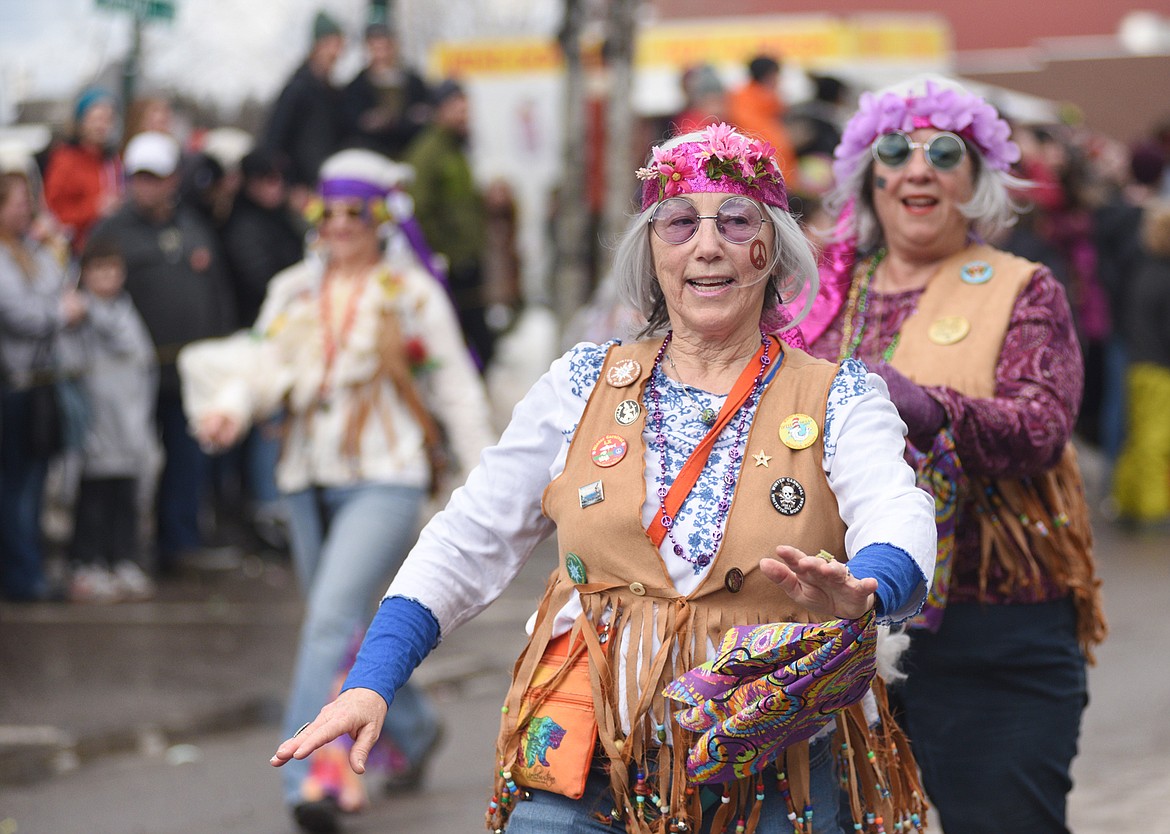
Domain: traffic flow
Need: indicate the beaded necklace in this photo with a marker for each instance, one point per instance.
(702, 560)
(856, 310)
(332, 342)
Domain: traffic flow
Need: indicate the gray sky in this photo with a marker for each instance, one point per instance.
(226, 50)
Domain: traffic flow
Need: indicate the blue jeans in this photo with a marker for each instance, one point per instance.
(347, 542)
(993, 709)
(22, 491)
(261, 454)
(182, 484)
(551, 813)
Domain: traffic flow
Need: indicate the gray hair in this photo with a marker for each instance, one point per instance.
(792, 267)
(991, 209)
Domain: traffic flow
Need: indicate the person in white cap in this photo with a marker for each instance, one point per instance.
(178, 282)
(361, 349)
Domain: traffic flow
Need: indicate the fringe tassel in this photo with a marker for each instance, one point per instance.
(879, 774)
(884, 788)
(1040, 527)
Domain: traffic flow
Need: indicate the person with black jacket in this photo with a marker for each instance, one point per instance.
(177, 279)
(387, 104)
(261, 236)
(307, 123)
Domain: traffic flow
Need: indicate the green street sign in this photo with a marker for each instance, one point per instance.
(143, 9)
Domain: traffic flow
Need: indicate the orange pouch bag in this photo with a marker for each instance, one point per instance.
(556, 748)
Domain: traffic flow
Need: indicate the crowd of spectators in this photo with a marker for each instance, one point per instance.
(133, 236)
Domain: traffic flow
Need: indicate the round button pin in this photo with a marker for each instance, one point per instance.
(575, 568)
(787, 496)
(976, 272)
(627, 412)
(948, 330)
(623, 373)
(733, 582)
(799, 431)
(608, 450)
(638, 589)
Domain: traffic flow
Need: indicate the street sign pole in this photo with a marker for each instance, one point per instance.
(130, 66)
(140, 12)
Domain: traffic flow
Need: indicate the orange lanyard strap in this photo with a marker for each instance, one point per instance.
(689, 474)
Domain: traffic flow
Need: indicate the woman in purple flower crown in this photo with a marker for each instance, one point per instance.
(685, 474)
(978, 350)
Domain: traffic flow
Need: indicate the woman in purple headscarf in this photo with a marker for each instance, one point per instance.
(978, 350)
(359, 349)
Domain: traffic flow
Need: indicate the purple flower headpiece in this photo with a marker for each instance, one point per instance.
(941, 106)
(721, 161)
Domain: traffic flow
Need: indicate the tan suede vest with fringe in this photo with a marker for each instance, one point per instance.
(1030, 525)
(626, 583)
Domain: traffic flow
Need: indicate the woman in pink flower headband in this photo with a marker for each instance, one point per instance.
(978, 350)
(667, 466)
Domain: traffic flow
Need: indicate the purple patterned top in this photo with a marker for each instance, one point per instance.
(1022, 430)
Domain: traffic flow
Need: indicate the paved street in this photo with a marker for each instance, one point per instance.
(200, 678)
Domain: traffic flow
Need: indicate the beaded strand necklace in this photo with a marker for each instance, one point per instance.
(856, 310)
(702, 560)
(334, 339)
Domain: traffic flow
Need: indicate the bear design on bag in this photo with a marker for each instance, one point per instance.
(544, 734)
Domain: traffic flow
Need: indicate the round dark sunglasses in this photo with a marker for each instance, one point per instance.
(738, 220)
(944, 151)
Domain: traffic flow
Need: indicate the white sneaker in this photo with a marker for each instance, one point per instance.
(91, 583)
(133, 582)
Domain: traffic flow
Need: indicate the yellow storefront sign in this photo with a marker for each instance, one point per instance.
(809, 41)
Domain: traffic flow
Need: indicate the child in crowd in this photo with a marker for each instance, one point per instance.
(112, 350)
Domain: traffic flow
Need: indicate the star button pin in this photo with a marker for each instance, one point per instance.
(761, 459)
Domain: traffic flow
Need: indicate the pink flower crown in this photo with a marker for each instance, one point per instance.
(721, 161)
(942, 105)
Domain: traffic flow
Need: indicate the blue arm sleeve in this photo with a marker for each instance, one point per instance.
(898, 576)
(402, 633)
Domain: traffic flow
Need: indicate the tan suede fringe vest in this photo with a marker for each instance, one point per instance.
(627, 586)
(1031, 527)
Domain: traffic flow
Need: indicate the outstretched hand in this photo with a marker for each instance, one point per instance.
(826, 589)
(217, 431)
(356, 712)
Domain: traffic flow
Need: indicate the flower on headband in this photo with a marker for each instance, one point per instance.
(674, 170)
(719, 155)
(942, 107)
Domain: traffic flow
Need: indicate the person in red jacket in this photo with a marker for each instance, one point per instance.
(83, 178)
(757, 109)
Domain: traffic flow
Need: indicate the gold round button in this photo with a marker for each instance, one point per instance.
(638, 588)
(948, 330)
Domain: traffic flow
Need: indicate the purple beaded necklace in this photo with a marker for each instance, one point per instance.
(702, 560)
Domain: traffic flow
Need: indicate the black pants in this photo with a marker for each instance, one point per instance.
(467, 293)
(105, 522)
(993, 706)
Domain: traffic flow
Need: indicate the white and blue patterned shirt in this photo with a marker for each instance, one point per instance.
(469, 553)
